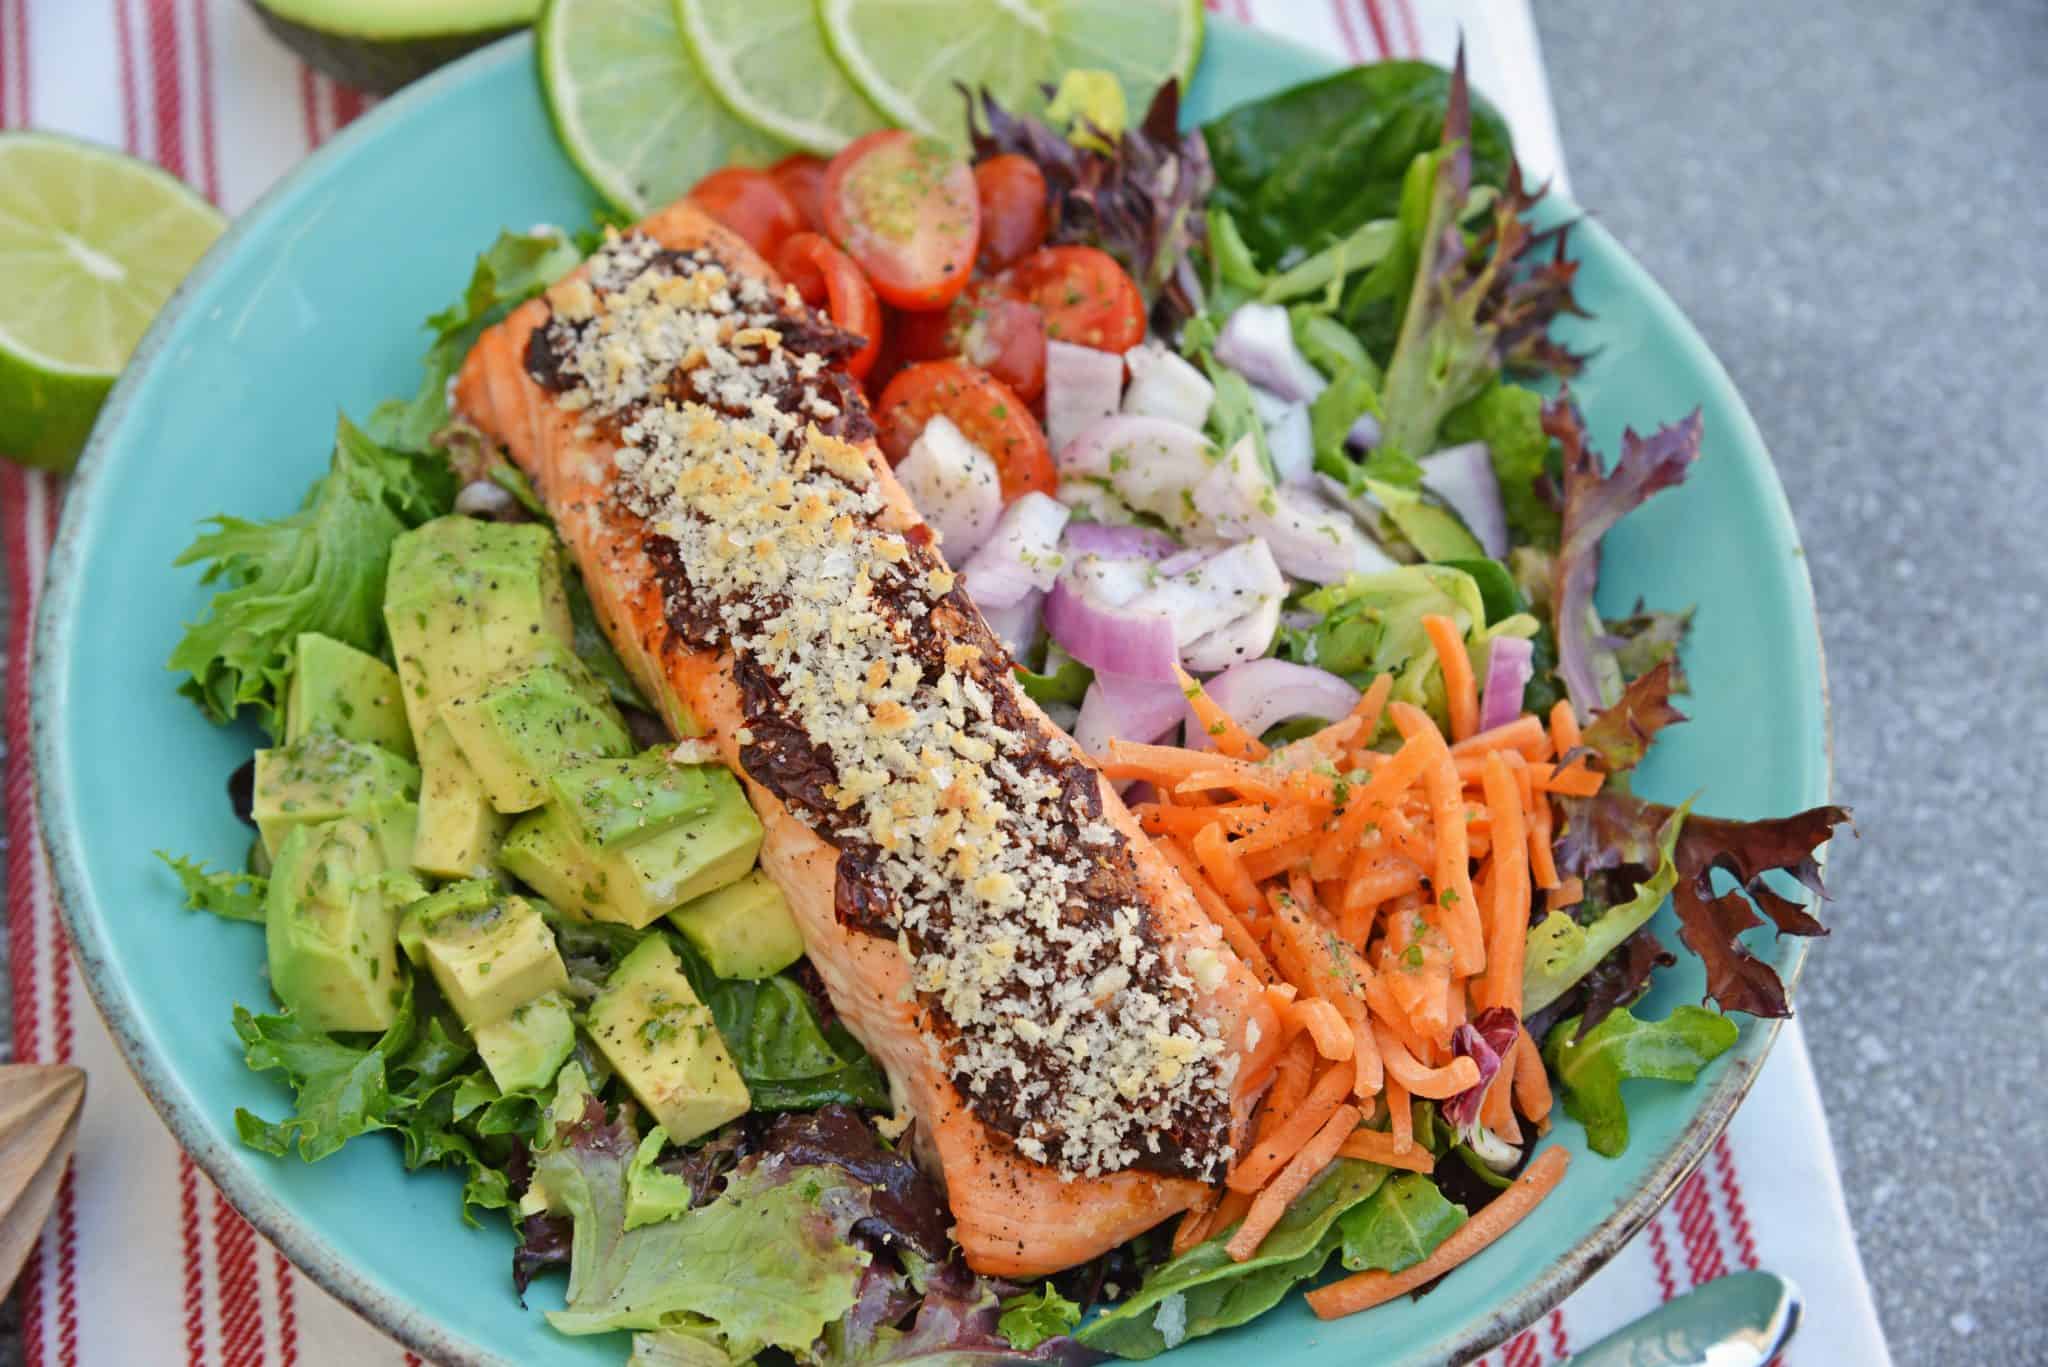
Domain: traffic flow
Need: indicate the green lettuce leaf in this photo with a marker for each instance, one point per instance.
(1590, 1070)
(320, 569)
(339, 1090)
(1399, 1226)
(1068, 684)
(1509, 419)
(677, 1348)
(512, 270)
(1561, 951)
(229, 895)
(1030, 1319)
(1203, 1291)
(651, 1194)
(770, 1263)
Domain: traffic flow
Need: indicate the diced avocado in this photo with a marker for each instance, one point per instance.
(321, 776)
(743, 930)
(532, 720)
(459, 829)
(330, 923)
(651, 1194)
(639, 883)
(617, 802)
(380, 45)
(469, 896)
(659, 1038)
(490, 955)
(526, 1049)
(465, 599)
(339, 689)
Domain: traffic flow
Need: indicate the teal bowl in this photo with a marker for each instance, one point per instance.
(313, 303)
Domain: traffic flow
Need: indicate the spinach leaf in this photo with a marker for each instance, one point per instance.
(1203, 1291)
(1399, 1226)
(1592, 1068)
(1305, 167)
(788, 1058)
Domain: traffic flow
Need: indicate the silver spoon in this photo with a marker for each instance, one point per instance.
(1740, 1320)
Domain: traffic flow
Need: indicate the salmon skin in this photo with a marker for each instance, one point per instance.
(1072, 1046)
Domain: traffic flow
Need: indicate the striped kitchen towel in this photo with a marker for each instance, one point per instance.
(143, 1263)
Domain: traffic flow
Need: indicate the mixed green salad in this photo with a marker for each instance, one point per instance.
(515, 921)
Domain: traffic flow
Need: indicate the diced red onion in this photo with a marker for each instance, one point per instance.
(489, 500)
(1263, 693)
(1208, 590)
(1247, 638)
(1127, 709)
(1015, 624)
(1165, 384)
(1510, 664)
(955, 486)
(1022, 554)
(1110, 639)
(1292, 443)
(1116, 542)
(1311, 539)
(1082, 387)
(1364, 434)
(1257, 342)
(1463, 477)
(1149, 461)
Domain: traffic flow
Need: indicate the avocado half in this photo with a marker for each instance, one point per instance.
(379, 45)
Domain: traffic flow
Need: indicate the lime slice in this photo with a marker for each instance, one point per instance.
(91, 244)
(907, 55)
(629, 106)
(768, 61)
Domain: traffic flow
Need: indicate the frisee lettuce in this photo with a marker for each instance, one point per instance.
(227, 894)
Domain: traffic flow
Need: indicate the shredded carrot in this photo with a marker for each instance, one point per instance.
(1325, 1025)
(1364, 1290)
(1502, 983)
(1524, 735)
(1574, 780)
(1330, 741)
(1568, 893)
(1496, 1107)
(1370, 1073)
(1453, 880)
(1461, 698)
(1295, 854)
(1376, 1146)
(1223, 868)
(1371, 704)
(1376, 878)
(1235, 934)
(1230, 738)
(1283, 826)
(1294, 1130)
(1542, 858)
(1564, 727)
(1156, 819)
(1401, 1107)
(1459, 1075)
(1194, 1225)
(1272, 1203)
(1532, 1084)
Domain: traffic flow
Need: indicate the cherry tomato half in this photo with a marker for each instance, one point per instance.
(1014, 216)
(983, 327)
(802, 178)
(987, 412)
(825, 275)
(1087, 299)
(751, 204)
(904, 207)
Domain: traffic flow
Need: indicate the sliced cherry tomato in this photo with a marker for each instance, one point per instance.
(984, 327)
(987, 412)
(751, 204)
(825, 275)
(1087, 299)
(903, 206)
(802, 178)
(1014, 216)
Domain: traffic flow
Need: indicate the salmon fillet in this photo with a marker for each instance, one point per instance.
(1075, 1049)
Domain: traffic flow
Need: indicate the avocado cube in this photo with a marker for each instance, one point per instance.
(616, 802)
(463, 600)
(417, 912)
(544, 852)
(526, 1049)
(532, 720)
(662, 1041)
(744, 929)
(489, 959)
(322, 776)
(339, 689)
(459, 829)
(330, 924)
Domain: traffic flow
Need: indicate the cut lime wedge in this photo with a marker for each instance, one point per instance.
(629, 106)
(767, 60)
(91, 244)
(908, 55)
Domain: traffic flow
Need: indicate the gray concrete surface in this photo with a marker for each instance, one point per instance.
(1849, 200)
(1848, 197)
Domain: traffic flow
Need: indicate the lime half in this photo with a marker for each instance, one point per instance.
(630, 108)
(907, 55)
(91, 244)
(767, 60)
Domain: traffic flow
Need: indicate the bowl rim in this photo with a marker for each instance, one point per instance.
(396, 1314)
